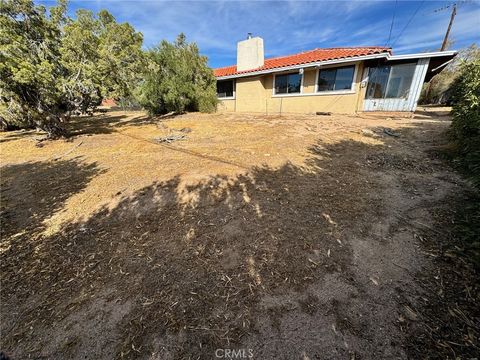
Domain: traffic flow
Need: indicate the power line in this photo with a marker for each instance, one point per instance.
(408, 23)
(442, 8)
(393, 20)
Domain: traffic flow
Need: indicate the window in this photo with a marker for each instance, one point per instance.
(377, 82)
(336, 78)
(390, 81)
(225, 88)
(401, 77)
(288, 83)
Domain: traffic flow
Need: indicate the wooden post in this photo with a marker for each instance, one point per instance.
(445, 39)
(443, 47)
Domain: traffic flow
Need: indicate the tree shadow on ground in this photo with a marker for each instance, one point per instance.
(32, 192)
(106, 123)
(16, 135)
(90, 125)
(195, 261)
(192, 264)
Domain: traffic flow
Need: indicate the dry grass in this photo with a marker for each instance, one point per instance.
(123, 145)
(251, 230)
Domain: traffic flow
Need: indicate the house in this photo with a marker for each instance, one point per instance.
(339, 80)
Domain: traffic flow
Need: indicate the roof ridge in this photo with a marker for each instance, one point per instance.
(356, 47)
(312, 50)
(331, 48)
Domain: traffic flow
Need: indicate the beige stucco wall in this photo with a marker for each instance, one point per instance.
(309, 77)
(226, 106)
(250, 94)
(255, 94)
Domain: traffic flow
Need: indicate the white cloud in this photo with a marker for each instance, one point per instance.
(290, 26)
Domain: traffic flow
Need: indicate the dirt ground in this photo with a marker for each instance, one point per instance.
(293, 237)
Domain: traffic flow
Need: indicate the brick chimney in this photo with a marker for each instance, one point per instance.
(250, 53)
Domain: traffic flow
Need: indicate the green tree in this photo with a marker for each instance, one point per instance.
(121, 57)
(103, 58)
(466, 116)
(52, 66)
(466, 132)
(177, 78)
(82, 83)
(30, 66)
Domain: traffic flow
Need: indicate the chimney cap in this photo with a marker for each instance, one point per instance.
(249, 35)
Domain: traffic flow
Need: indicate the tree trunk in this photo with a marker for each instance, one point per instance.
(55, 129)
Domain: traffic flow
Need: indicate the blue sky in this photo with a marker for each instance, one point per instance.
(292, 26)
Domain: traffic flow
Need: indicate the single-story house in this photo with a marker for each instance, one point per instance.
(338, 80)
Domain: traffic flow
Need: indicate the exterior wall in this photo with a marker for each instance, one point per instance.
(309, 79)
(250, 94)
(255, 94)
(226, 105)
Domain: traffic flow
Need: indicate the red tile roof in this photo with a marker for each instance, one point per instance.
(305, 58)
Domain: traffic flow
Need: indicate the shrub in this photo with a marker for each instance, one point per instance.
(466, 117)
(177, 79)
(466, 132)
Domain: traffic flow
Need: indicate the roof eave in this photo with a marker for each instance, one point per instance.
(423, 55)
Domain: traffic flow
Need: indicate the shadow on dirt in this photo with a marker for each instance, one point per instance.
(106, 124)
(194, 261)
(34, 191)
(192, 264)
(88, 125)
(16, 135)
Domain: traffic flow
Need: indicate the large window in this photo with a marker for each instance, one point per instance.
(225, 88)
(288, 83)
(377, 82)
(340, 78)
(390, 81)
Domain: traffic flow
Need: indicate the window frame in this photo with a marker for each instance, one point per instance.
(234, 90)
(299, 72)
(352, 89)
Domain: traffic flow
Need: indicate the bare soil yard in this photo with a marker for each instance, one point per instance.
(293, 237)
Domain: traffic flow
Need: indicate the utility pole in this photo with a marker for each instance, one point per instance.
(444, 45)
(445, 39)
